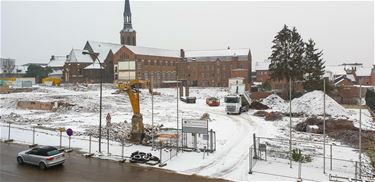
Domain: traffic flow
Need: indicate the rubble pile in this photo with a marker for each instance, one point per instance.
(16, 118)
(261, 113)
(121, 131)
(339, 129)
(273, 116)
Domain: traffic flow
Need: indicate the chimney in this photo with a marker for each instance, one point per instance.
(52, 57)
(182, 53)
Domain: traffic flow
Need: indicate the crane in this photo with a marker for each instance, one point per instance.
(132, 89)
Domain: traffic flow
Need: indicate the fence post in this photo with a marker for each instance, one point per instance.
(60, 138)
(211, 140)
(161, 155)
(89, 144)
(9, 140)
(255, 146)
(69, 141)
(299, 171)
(33, 135)
(9, 132)
(108, 141)
(330, 155)
(250, 161)
(122, 148)
(355, 172)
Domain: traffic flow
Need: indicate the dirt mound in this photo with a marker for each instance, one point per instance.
(258, 106)
(261, 113)
(340, 129)
(273, 116)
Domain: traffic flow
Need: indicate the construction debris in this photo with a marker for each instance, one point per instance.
(122, 131)
(36, 105)
(261, 113)
(258, 106)
(205, 116)
(273, 116)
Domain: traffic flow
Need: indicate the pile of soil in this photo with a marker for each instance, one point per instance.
(258, 106)
(340, 129)
(273, 116)
(261, 113)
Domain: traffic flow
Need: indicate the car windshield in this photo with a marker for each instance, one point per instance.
(231, 99)
(52, 152)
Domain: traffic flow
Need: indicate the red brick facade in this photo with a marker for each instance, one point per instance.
(373, 76)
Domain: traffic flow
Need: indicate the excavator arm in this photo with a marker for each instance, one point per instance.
(132, 89)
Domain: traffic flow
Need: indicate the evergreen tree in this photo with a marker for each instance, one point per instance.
(370, 99)
(313, 63)
(37, 71)
(287, 55)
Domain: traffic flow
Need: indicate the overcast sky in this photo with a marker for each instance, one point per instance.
(33, 31)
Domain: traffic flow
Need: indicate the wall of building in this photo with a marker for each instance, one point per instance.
(147, 67)
(213, 73)
(373, 76)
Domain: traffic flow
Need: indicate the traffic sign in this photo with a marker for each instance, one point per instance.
(108, 118)
(69, 132)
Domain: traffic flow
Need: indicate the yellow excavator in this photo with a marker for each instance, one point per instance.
(132, 89)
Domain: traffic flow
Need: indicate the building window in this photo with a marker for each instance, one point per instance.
(145, 74)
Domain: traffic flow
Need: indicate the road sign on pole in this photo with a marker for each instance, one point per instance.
(108, 118)
(69, 132)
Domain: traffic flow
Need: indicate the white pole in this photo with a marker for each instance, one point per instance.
(360, 130)
(290, 122)
(324, 126)
(177, 112)
(152, 110)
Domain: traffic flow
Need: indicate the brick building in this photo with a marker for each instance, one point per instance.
(135, 62)
(126, 61)
(213, 68)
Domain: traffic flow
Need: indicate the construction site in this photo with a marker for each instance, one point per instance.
(204, 131)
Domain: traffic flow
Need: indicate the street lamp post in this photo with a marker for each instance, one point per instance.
(100, 102)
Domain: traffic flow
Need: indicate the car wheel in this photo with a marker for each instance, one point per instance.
(42, 166)
(20, 160)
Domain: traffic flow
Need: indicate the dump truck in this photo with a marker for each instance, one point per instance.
(238, 99)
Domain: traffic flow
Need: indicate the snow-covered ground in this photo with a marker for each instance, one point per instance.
(234, 132)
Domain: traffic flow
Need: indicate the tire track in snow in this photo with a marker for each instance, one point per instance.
(221, 156)
(239, 144)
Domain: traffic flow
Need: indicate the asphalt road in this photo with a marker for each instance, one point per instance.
(79, 168)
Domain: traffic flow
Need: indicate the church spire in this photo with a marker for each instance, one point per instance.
(127, 16)
(128, 34)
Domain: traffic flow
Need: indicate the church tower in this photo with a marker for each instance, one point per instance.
(128, 34)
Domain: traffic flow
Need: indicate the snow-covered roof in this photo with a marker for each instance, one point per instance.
(153, 51)
(364, 70)
(77, 56)
(103, 48)
(216, 53)
(57, 61)
(93, 66)
(262, 65)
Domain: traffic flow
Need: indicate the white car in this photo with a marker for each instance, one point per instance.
(43, 156)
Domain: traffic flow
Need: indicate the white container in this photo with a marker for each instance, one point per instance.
(235, 81)
(237, 89)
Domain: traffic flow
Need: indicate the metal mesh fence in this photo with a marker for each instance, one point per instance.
(334, 160)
